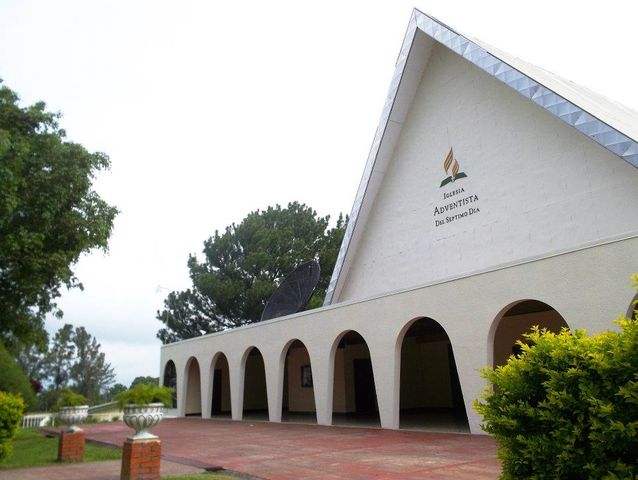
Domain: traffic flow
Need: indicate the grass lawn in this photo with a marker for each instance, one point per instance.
(31, 448)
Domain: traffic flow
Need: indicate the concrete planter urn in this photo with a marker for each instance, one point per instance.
(141, 417)
(73, 416)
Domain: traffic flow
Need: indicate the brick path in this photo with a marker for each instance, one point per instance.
(308, 452)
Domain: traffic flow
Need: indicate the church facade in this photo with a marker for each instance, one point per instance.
(496, 197)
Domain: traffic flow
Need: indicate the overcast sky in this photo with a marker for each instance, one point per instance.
(209, 110)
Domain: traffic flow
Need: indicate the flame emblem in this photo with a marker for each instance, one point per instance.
(451, 167)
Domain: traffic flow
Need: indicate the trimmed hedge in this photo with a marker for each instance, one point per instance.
(11, 408)
(69, 398)
(13, 379)
(567, 407)
(145, 393)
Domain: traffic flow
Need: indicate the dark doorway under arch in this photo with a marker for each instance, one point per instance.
(193, 397)
(298, 403)
(354, 400)
(255, 394)
(170, 380)
(518, 320)
(430, 395)
(220, 402)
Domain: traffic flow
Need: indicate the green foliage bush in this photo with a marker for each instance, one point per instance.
(13, 378)
(68, 398)
(11, 409)
(567, 407)
(144, 393)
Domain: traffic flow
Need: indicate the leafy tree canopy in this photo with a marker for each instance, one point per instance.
(74, 361)
(145, 380)
(90, 373)
(244, 265)
(115, 390)
(49, 215)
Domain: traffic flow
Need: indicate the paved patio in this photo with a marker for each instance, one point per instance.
(290, 451)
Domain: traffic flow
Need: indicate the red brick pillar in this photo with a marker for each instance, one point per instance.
(71, 446)
(141, 459)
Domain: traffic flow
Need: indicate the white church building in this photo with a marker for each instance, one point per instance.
(496, 196)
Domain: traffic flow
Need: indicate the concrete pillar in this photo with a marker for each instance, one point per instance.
(206, 387)
(469, 361)
(180, 388)
(322, 378)
(274, 371)
(386, 366)
(236, 371)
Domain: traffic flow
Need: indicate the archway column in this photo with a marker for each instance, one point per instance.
(274, 371)
(470, 359)
(206, 385)
(180, 387)
(322, 361)
(236, 373)
(386, 368)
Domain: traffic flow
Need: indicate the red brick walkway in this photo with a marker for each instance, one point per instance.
(286, 451)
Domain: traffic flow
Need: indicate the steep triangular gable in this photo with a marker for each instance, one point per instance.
(422, 35)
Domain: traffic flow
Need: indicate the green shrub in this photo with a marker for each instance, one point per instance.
(568, 406)
(144, 393)
(11, 409)
(68, 398)
(13, 379)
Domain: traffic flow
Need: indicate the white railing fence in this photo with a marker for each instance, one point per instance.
(106, 417)
(36, 420)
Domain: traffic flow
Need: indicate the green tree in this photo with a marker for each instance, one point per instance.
(245, 264)
(144, 380)
(49, 215)
(115, 390)
(33, 362)
(60, 357)
(90, 373)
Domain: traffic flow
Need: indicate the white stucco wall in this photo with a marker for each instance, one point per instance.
(542, 187)
(588, 287)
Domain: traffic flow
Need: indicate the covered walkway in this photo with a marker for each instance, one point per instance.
(292, 451)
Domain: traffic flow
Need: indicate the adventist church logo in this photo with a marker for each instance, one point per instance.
(456, 203)
(453, 173)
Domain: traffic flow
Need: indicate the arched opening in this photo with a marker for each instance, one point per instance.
(220, 403)
(354, 400)
(517, 319)
(170, 380)
(298, 403)
(430, 392)
(255, 394)
(193, 405)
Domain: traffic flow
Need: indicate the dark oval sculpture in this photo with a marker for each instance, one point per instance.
(294, 292)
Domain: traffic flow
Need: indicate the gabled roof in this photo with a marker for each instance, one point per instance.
(609, 124)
